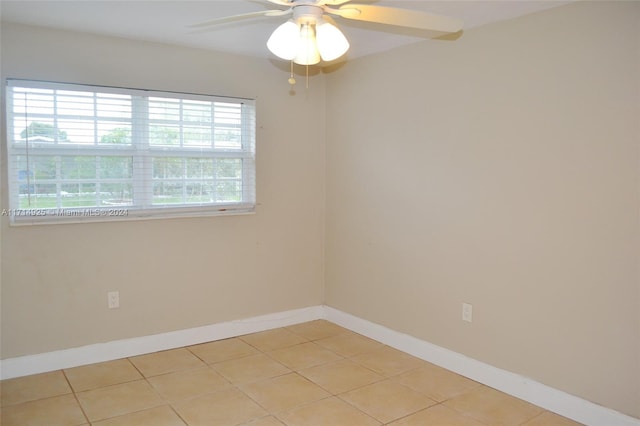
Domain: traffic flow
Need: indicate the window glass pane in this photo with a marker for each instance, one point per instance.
(166, 167)
(228, 191)
(164, 109)
(79, 167)
(194, 111)
(197, 192)
(228, 138)
(116, 167)
(201, 168)
(40, 167)
(44, 189)
(197, 136)
(116, 106)
(164, 135)
(116, 194)
(46, 196)
(41, 131)
(229, 168)
(74, 103)
(167, 192)
(227, 113)
(33, 101)
(78, 131)
(25, 176)
(114, 133)
(78, 195)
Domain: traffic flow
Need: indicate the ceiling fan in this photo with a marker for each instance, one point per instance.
(311, 35)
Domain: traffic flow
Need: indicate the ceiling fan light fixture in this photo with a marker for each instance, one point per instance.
(308, 37)
(284, 40)
(331, 41)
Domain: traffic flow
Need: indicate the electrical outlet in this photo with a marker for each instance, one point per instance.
(113, 299)
(467, 312)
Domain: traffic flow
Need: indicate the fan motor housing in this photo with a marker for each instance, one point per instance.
(307, 14)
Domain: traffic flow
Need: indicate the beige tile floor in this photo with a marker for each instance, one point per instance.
(315, 373)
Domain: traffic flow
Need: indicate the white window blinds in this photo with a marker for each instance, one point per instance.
(88, 153)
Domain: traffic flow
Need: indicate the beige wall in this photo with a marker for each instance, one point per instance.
(501, 170)
(171, 274)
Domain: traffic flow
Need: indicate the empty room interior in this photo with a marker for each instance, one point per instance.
(499, 171)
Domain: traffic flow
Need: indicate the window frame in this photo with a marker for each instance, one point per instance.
(141, 152)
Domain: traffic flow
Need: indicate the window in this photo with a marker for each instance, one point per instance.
(88, 153)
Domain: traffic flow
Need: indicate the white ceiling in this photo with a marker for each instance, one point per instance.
(168, 21)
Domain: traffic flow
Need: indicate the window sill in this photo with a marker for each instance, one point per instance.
(119, 214)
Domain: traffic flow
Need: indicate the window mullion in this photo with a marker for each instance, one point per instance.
(213, 125)
(95, 118)
(58, 160)
(183, 181)
(14, 192)
(98, 162)
(56, 133)
(214, 188)
(247, 138)
(142, 167)
(181, 123)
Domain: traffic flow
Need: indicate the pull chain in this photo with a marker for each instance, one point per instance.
(292, 80)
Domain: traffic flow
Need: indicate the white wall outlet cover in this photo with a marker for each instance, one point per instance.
(113, 299)
(467, 312)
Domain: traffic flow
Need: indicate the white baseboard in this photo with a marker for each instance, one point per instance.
(74, 357)
(521, 387)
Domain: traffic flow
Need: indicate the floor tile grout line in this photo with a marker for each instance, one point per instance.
(75, 396)
(299, 369)
(360, 410)
(411, 414)
(135, 411)
(534, 417)
(330, 396)
(195, 354)
(254, 400)
(131, 412)
(274, 349)
(224, 360)
(40, 398)
(73, 390)
(135, 366)
(292, 407)
(178, 414)
(385, 379)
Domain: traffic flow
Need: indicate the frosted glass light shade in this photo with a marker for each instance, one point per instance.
(331, 42)
(307, 50)
(284, 41)
(306, 43)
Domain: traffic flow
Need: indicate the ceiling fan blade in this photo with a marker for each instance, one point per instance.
(329, 19)
(283, 2)
(334, 2)
(233, 18)
(399, 17)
